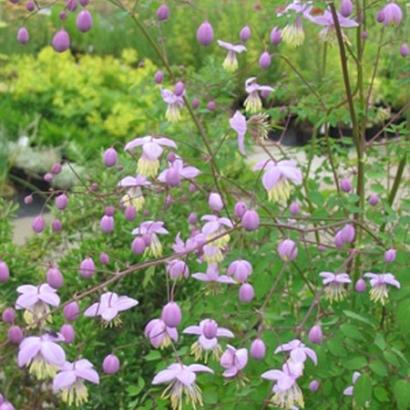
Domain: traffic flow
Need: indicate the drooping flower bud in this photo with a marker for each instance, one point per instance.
(315, 334)
(159, 77)
(48, 177)
(177, 269)
(195, 103)
(30, 6)
(38, 224)
(240, 269)
(258, 349)
(210, 328)
(205, 33)
(192, 218)
(104, 258)
(23, 36)
(171, 314)
(345, 235)
(265, 60)
(179, 88)
(346, 185)
(61, 201)
(346, 8)
(245, 34)
(15, 335)
(63, 15)
(314, 386)
(294, 208)
(404, 50)
(250, 220)
(110, 157)
(215, 202)
(360, 285)
(392, 14)
(68, 332)
(84, 21)
(87, 268)
(390, 255)
(275, 36)
(4, 272)
(240, 209)
(246, 292)
(8, 315)
(380, 16)
(163, 12)
(373, 199)
(28, 199)
(109, 210)
(287, 250)
(71, 5)
(365, 35)
(56, 225)
(84, 2)
(130, 213)
(211, 106)
(61, 41)
(56, 168)
(71, 311)
(107, 224)
(111, 364)
(138, 246)
(54, 278)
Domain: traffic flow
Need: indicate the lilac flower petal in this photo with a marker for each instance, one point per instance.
(166, 142)
(192, 330)
(270, 178)
(152, 150)
(89, 374)
(53, 353)
(125, 303)
(272, 375)
(186, 377)
(63, 380)
(165, 376)
(206, 343)
(93, 310)
(222, 332)
(25, 301)
(109, 313)
(199, 368)
(137, 142)
(28, 351)
(348, 391)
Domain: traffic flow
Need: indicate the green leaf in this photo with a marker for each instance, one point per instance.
(355, 363)
(402, 394)
(391, 358)
(351, 331)
(152, 356)
(363, 390)
(379, 368)
(336, 348)
(381, 394)
(356, 316)
(380, 342)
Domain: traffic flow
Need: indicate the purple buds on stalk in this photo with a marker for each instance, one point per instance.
(380, 16)
(258, 349)
(68, 333)
(246, 293)
(111, 364)
(215, 202)
(179, 88)
(159, 77)
(104, 258)
(211, 106)
(294, 208)
(38, 224)
(177, 269)
(345, 235)
(250, 220)
(30, 6)
(130, 213)
(163, 12)
(287, 250)
(71, 5)
(404, 50)
(390, 255)
(240, 209)
(48, 177)
(61, 41)
(275, 36)
(15, 335)
(56, 168)
(54, 278)
(245, 34)
(87, 268)
(4, 272)
(23, 36)
(192, 218)
(28, 200)
(314, 386)
(61, 201)
(346, 8)
(84, 21)
(205, 33)
(195, 103)
(8, 315)
(138, 246)
(71, 311)
(56, 225)
(171, 314)
(373, 199)
(84, 2)
(392, 14)
(346, 185)
(107, 224)
(315, 334)
(110, 157)
(360, 285)
(265, 60)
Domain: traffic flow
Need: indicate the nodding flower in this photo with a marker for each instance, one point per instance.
(335, 285)
(233, 361)
(159, 334)
(239, 125)
(174, 102)
(379, 291)
(150, 230)
(134, 196)
(253, 102)
(231, 62)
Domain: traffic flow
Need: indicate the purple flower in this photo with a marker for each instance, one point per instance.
(276, 36)
(111, 364)
(175, 103)
(176, 172)
(134, 197)
(335, 285)
(392, 14)
(344, 236)
(379, 282)
(233, 361)
(181, 382)
(258, 349)
(42, 354)
(287, 250)
(265, 60)
(36, 301)
(277, 177)
(212, 275)
(298, 351)
(286, 392)
(23, 36)
(238, 124)
(215, 202)
(404, 50)
(240, 269)
(171, 314)
(151, 230)
(61, 41)
(315, 334)
(84, 21)
(159, 334)
(148, 164)
(253, 102)
(162, 12)
(177, 269)
(208, 332)
(245, 34)
(231, 63)
(346, 8)
(250, 220)
(348, 391)
(69, 382)
(205, 33)
(109, 306)
(293, 34)
(390, 255)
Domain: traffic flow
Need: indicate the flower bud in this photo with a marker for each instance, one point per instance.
(38, 224)
(265, 60)
(71, 5)
(71, 311)
(177, 269)
(61, 41)
(61, 201)
(192, 188)
(171, 157)
(110, 157)
(104, 258)
(9, 315)
(240, 209)
(111, 364)
(404, 50)
(215, 202)
(15, 335)
(130, 213)
(250, 220)
(245, 34)
(211, 106)
(195, 103)
(84, 21)
(373, 199)
(346, 8)
(107, 224)
(360, 285)
(380, 16)
(287, 250)
(179, 88)
(210, 328)
(109, 211)
(30, 6)
(172, 177)
(205, 33)
(163, 12)
(68, 332)
(87, 268)
(28, 199)
(62, 15)
(171, 314)
(240, 270)
(23, 36)
(390, 255)
(275, 36)
(346, 185)
(56, 168)
(138, 246)
(56, 225)
(315, 334)
(294, 208)
(314, 386)
(54, 278)
(392, 14)
(4, 272)
(258, 349)
(364, 35)
(84, 2)
(48, 177)
(159, 77)
(192, 218)
(246, 292)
